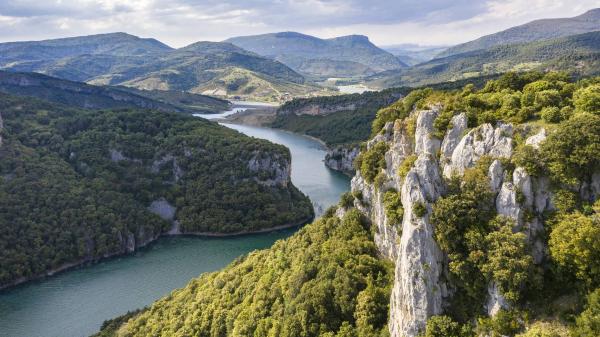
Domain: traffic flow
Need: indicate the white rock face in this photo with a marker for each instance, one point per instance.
(483, 140)
(425, 143)
(342, 159)
(495, 300)
(496, 175)
(116, 155)
(159, 163)
(536, 139)
(163, 209)
(453, 136)
(417, 292)
(279, 170)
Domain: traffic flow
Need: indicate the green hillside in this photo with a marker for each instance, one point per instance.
(104, 97)
(329, 279)
(78, 185)
(218, 69)
(537, 30)
(577, 54)
(344, 56)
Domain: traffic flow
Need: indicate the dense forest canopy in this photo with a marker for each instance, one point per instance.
(75, 185)
(328, 279)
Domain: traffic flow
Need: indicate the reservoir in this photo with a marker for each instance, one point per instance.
(76, 302)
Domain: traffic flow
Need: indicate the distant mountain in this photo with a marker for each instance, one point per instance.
(213, 68)
(533, 31)
(344, 56)
(101, 97)
(577, 54)
(412, 54)
(42, 52)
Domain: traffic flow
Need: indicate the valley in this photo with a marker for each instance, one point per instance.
(300, 169)
(59, 306)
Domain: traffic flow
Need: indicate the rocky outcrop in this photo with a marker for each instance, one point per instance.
(168, 158)
(484, 140)
(420, 289)
(342, 159)
(272, 170)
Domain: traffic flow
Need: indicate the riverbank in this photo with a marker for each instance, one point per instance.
(89, 262)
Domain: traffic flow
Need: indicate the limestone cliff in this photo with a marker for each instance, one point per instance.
(342, 159)
(420, 290)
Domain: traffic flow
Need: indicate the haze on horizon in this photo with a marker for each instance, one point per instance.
(181, 22)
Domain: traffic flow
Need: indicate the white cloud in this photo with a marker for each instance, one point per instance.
(180, 22)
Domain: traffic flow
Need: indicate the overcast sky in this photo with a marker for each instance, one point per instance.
(181, 22)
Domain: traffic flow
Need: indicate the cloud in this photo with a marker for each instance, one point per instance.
(180, 22)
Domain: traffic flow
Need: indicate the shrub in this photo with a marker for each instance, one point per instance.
(419, 209)
(587, 99)
(406, 165)
(393, 207)
(347, 200)
(588, 323)
(575, 246)
(551, 114)
(372, 161)
(571, 152)
(444, 326)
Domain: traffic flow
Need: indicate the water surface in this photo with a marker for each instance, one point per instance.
(76, 302)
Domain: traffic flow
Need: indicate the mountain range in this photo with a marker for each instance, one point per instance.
(215, 68)
(537, 30)
(105, 97)
(344, 56)
(576, 54)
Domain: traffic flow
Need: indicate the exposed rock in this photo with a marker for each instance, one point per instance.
(506, 202)
(453, 135)
(116, 155)
(481, 141)
(536, 139)
(158, 164)
(401, 146)
(277, 169)
(495, 300)
(342, 159)
(163, 209)
(386, 236)
(522, 182)
(496, 175)
(425, 143)
(417, 292)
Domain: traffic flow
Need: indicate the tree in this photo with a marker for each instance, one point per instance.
(575, 246)
(508, 262)
(587, 99)
(588, 323)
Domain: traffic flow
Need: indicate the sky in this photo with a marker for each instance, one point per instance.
(182, 22)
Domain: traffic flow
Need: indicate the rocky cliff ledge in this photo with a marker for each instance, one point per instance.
(417, 167)
(342, 159)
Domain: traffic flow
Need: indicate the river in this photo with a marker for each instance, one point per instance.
(76, 302)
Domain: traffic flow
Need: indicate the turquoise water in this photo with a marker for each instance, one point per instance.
(76, 302)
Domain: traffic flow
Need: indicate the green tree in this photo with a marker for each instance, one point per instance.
(587, 99)
(575, 246)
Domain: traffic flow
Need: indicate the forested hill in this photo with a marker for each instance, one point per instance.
(105, 97)
(485, 200)
(343, 56)
(537, 30)
(576, 54)
(345, 120)
(78, 185)
(215, 68)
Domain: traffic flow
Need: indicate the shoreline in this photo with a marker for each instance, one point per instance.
(89, 262)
